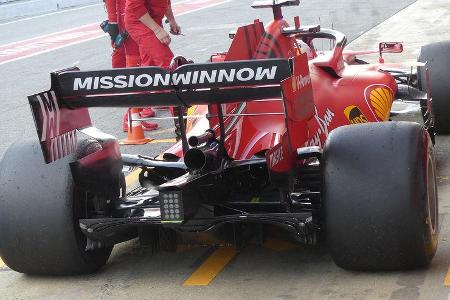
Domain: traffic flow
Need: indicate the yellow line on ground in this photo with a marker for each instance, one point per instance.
(163, 141)
(132, 178)
(447, 278)
(211, 267)
(156, 132)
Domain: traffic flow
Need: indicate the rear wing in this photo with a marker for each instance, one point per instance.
(59, 112)
(209, 83)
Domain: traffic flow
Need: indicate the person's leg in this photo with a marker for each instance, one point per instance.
(133, 59)
(152, 52)
(118, 59)
(155, 54)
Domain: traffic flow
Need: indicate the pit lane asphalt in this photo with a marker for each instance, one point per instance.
(256, 272)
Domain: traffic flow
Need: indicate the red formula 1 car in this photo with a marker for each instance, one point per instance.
(285, 135)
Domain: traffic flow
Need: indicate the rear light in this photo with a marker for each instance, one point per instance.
(171, 204)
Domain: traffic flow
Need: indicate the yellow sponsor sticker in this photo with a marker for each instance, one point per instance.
(355, 115)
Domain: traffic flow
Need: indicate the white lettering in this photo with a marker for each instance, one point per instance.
(63, 145)
(323, 130)
(106, 82)
(131, 81)
(86, 84)
(120, 81)
(250, 74)
(195, 77)
(96, 81)
(276, 157)
(261, 73)
(228, 76)
(184, 78)
(160, 80)
(50, 116)
(148, 82)
(210, 77)
(302, 81)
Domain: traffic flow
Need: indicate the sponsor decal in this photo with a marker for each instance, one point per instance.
(50, 115)
(354, 115)
(300, 82)
(379, 98)
(276, 156)
(62, 145)
(56, 145)
(323, 130)
(167, 79)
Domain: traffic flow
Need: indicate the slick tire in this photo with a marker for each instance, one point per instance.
(437, 57)
(39, 212)
(380, 196)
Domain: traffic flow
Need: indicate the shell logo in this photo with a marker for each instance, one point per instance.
(379, 98)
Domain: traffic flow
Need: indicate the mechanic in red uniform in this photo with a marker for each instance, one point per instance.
(143, 21)
(118, 54)
(127, 55)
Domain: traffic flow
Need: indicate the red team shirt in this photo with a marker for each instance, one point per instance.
(137, 8)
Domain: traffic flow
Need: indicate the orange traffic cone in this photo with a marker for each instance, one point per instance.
(135, 132)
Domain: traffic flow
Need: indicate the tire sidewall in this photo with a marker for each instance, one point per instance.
(375, 196)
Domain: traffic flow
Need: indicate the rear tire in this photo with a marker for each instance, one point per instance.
(380, 196)
(437, 57)
(39, 211)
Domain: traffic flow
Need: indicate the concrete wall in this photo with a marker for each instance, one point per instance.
(11, 9)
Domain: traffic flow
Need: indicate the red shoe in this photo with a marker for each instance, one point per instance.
(146, 126)
(147, 112)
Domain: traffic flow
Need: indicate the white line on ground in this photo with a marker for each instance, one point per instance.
(93, 38)
(50, 14)
(52, 49)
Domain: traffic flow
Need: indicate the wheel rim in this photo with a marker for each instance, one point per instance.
(432, 196)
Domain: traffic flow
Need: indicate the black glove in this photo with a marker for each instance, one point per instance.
(113, 31)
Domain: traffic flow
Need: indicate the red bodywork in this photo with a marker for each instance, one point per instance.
(343, 94)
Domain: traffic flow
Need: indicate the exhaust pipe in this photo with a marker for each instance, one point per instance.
(195, 141)
(203, 158)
